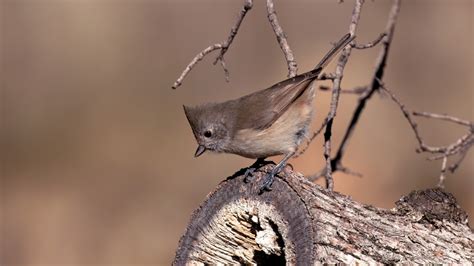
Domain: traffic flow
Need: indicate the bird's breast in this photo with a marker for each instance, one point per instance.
(282, 137)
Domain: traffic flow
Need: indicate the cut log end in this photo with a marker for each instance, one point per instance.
(300, 223)
(237, 225)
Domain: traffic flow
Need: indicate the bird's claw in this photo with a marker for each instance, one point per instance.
(248, 175)
(267, 183)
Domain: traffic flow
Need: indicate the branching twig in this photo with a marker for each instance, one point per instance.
(370, 44)
(458, 147)
(336, 163)
(281, 37)
(443, 117)
(336, 92)
(193, 62)
(224, 46)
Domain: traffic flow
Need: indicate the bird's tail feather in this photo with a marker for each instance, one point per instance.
(346, 39)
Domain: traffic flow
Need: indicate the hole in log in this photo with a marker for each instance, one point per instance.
(261, 258)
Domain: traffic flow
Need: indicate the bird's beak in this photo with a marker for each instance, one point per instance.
(200, 150)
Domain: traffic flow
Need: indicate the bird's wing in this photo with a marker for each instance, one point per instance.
(266, 106)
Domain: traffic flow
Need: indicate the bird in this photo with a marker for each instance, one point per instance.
(268, 122)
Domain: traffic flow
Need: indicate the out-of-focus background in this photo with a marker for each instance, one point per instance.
(97, 155)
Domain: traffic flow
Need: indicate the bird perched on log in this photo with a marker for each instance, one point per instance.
(265, 123)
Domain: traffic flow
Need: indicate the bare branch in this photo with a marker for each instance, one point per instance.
(406, 113)
(357, 90)
(224, 46)
(460, 146)
(193, 62)
(443, 117)
(370, 44)
(453, 167)
(309, 139)
(226, 71)
(233, 31)
(336, 92)
(454, 148)
(281, 37)
(387, 37)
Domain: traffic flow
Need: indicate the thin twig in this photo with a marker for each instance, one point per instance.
(281, 38)
(233, 32)
(357, 90)
(454, 148)
(312, 137)
(443, 117)
(224, 46)
(407, 115)
(193, 62)
(465, 140)
(442, 176)
(370, 44)
(460, 146)
(335, 95)
(453, 167)
(374, 86)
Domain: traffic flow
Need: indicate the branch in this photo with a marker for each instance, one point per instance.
(444, 117)
(357, 90)
(336, 92)
(459, 147)
(281, 38)
(335, 164)
(370, 44)
(224, 46)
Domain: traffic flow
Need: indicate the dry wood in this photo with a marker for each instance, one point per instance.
(301, 223)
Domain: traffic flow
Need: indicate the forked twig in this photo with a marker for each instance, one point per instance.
(459, 147)
(343, 58)
(224, 46)
(335, 164)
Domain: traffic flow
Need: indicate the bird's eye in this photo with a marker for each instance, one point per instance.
(207, 134)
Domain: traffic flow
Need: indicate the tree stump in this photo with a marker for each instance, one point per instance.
(299, 222)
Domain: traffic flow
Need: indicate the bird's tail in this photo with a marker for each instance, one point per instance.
(346, 39)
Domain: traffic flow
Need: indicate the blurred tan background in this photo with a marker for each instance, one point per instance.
(97, 156)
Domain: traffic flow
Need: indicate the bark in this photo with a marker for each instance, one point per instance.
(301, 223)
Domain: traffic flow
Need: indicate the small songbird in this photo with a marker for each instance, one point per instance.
(265, 123)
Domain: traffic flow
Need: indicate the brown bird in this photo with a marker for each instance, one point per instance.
(265, 123)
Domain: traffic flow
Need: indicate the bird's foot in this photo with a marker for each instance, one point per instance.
(248, 175)
(267, 183)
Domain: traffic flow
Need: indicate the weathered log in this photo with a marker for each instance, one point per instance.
(301, 223)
